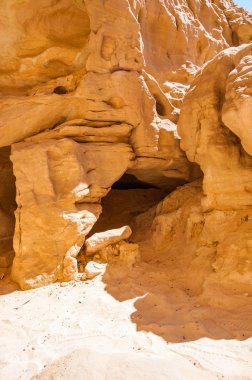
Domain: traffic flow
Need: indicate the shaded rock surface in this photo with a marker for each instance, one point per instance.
(7, 208)
(213, 248)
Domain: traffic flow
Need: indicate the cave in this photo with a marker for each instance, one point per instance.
(128, 198)
(7, 209)
(60, 90)
(160, 108)
(129, 181)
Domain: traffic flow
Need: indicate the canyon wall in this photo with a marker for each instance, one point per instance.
(93, 91)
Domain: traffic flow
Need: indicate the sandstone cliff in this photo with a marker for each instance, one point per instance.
(92, 93)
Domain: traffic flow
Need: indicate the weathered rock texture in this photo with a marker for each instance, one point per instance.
(101, 240)
(203, 250)
(7, 208)
(215, 125)
(93, 89)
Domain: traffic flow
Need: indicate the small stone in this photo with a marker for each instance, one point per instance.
(101, 240)
(91, 275)
(84, 277)
(63, 284)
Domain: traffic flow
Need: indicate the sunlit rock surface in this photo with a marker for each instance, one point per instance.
(215, 128)
(91, 90)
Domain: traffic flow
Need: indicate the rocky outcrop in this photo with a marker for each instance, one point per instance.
(214, 126)
(236, 110)
(91, 90)
(207, 252)
(201, 232)
(59, 184)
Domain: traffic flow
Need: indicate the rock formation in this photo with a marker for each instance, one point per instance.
(92, 93)
(204, 250)
(217, 110)
(101, 240)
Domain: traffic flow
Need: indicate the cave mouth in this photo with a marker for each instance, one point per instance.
(7, 210)
(60, 90)
(129, 181)
(128, 198)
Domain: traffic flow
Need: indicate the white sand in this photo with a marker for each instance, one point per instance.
(82, 332)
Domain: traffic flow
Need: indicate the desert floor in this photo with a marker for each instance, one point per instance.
(83, 330)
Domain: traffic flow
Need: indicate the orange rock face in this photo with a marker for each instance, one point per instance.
(92, 91)
(207, 252)
(214, 127)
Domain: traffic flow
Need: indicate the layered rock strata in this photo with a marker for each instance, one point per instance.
(92, 89)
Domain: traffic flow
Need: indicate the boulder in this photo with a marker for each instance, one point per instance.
(101, 240)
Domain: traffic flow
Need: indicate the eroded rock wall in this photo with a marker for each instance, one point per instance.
(208, 253)
(204, 229)
(93, 89)
(215, 126)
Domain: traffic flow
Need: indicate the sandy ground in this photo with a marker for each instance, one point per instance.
(80, 331)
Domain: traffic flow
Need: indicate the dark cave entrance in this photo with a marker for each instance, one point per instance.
(7, 209)
(129, 181)
(128, 198)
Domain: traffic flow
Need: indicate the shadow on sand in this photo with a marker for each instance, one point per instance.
(168, 309)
